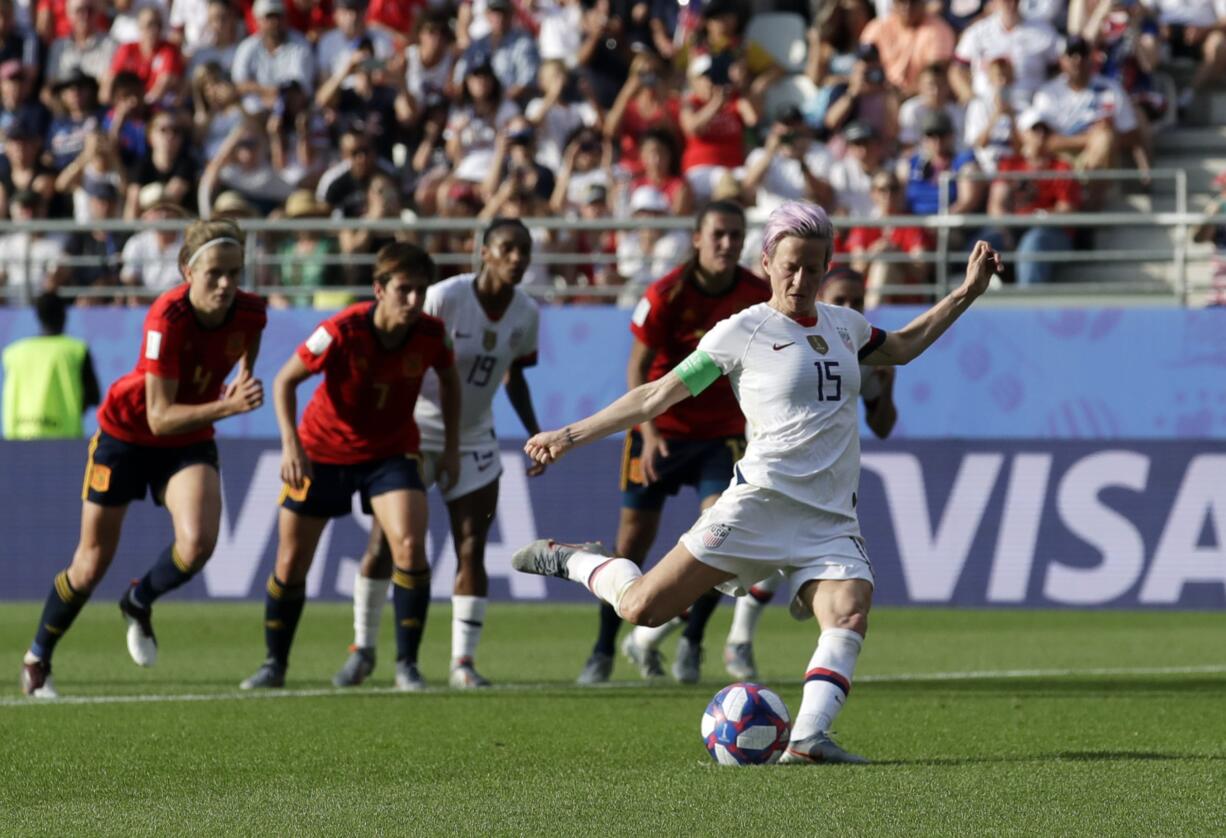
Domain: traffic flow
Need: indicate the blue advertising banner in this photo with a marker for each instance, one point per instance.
(1005, 523)
(999, 373)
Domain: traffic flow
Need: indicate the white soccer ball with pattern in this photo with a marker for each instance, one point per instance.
(746, 724)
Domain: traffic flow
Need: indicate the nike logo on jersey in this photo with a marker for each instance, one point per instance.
(778, 346)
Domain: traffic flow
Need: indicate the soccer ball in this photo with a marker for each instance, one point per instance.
(746, 724)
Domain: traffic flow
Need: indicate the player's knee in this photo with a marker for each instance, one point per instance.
(409, 552)
(195, 550)
(85, 574)
(856, 620)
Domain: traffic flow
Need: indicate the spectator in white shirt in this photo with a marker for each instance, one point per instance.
(219, 39)
(645, 255)
(790, 166)
(1030, 47)
(349, 34)
(1091, 117)
(991, 121)
(934, 95)
(29, 260)
(271, 57)
(557, 113)
(429, 61)
(508, 49)
(852, 177)
(151, 257)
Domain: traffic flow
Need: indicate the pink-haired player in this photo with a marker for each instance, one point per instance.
(794, 365)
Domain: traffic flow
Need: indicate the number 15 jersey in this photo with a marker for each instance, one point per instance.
(798, 385)
(484, 350)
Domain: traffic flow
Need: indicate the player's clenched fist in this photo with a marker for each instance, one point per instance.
(984, 262)
(245, 393)
(548, 446)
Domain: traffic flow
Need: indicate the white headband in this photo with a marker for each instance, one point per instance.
(212, 243)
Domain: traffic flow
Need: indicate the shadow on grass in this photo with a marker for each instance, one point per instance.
(1058, 756)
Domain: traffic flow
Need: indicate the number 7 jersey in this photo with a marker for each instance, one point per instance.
(798, 384)
(484, 350)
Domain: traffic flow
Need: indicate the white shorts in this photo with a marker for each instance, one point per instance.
(478, 469)
(752, 532)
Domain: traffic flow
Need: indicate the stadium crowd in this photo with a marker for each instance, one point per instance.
(176, 109)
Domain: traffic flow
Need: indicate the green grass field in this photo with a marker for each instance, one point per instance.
(1093, 742)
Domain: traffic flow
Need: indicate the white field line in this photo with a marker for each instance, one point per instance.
(898, 678)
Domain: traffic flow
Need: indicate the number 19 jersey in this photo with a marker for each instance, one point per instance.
(484, 350)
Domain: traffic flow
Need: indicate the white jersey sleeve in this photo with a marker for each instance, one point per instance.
(728, 341)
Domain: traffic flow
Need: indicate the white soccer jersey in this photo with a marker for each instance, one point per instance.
(484, 351)
(1030, 47)
(798, 387)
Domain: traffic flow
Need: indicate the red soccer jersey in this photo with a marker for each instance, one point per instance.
(721, 142)
(363, 409)
(165, 61)
(175, 346)
(671, 318)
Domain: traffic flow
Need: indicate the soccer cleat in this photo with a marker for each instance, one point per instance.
(464, 675)
(647, 660)
(739, 662)
(687, 667)
(408, 677)
(357, 668)
(546, 557)
(816, 749)
(142, 644)
(597, 670)
(270, 675)
(36, 678)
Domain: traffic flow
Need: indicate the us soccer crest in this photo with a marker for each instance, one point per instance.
(715, 535)
(489, 340)
(846, 336)
(818, 343)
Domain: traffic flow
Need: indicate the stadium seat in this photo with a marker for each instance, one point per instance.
(796, 90)
(782, 34)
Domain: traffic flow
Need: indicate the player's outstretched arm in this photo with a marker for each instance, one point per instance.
(167, 417)
(909, 342)
(295, 466)
(641, 404)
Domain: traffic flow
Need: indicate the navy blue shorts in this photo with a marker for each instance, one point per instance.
(119, 472)
(329, 493)
(705, 464)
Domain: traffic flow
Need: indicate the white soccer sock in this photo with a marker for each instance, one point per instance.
(369, 595)
(827, 681)
(467, 620)
(605, 577)
(648, 637)
(749, 610)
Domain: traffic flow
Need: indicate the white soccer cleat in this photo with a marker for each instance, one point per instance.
(142, 643)
(36, 678)
(408, 677)
(816, 749)
(648, 661)
(739, 661)
(464, 676)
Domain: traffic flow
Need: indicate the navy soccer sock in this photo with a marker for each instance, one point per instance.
(283, 606)
(168, 572)
(700, 614)
(63, 605)
(609, 624)
(411, 600)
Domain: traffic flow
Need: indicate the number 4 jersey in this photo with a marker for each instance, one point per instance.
(176, 347)
(798, 384)
(484, 350)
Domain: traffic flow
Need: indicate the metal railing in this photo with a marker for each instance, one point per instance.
(263, 257)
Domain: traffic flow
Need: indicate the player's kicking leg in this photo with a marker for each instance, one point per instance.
(841, 607)
(738, 648)
(646, 599)
(100, 526)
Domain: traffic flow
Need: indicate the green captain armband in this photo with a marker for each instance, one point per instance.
(698, 372)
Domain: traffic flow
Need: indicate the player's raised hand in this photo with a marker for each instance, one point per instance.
(295, 467)
(547, 447)
(245, 393)
(449, 468)
(984, 262)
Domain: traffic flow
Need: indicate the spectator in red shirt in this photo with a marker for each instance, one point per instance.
(714, 116)
(660, 169)
(867, 243)
(645, 102)
(154, 60)
(1035, 197)
(396, 17)
(52, 20)
(310, 18)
